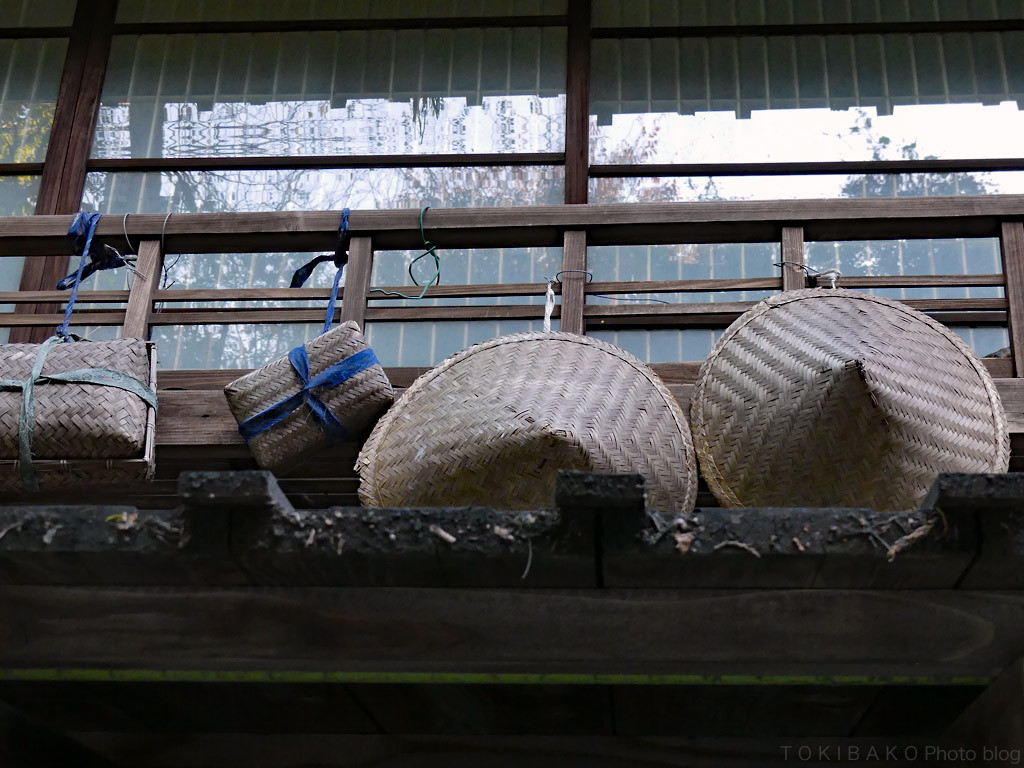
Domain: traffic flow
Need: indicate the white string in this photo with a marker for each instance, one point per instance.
(549, 306)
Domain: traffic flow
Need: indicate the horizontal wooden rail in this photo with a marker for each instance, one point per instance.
(826, 28)
(319, 162)
(648, 223)
(809, 167)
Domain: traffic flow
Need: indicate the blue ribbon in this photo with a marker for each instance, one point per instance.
(340, 259)
(331, 377)
(82, 230)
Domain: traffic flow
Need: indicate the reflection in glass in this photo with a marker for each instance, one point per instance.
(662, 345)
(461, 266)
(17, 198)
(32, 13)
(362, 188)
(650, 189)
(29, 77)
(334, 93)
(984, 340)
(427, 344)
(807, 98)
(703, 261)
(227, 346)
(941, 256)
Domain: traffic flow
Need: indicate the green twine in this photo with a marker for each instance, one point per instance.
(430, 250)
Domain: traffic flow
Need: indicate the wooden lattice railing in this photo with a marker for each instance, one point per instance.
(196, 431)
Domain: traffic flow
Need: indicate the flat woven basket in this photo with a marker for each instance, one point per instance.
(84, 434)
(493, 424)
(357, 402)
(831, 397)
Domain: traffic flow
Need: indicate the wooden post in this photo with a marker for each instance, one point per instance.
(1012, 246)
(996, 717)
(64, 172)
(140, 296)
(577, 103)
(357, 280)
(574, 280)
(793, 277)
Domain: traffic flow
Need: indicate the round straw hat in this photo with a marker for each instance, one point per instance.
(493, 424)
(830, 397)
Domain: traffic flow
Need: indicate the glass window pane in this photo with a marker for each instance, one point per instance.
(32, 13)
(17, 198)
(460, 266)
(986, 341)
(334, 93)
(365, 188)
(945, 256)
(227, 346)
(427, 344)
(703, 261)
(795, 187)
(808, 98)
(29, 77)
(131, 11)
(662, 345)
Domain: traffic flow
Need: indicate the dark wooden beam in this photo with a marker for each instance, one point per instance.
(577, 102)
(336, 25)
(158, 164)
(842, 167)
(934, 634)
(67, 153)
(995, 720)
(830, 28)
(1012, 246)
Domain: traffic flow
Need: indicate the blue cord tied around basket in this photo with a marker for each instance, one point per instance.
(82, 231)
(332, 377)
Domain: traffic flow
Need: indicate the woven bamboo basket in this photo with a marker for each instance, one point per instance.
(831, 397)
(494, 423)
(84, 434)
(357, 402)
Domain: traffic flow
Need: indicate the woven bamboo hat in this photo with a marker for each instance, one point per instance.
(493, 424)
(830, 397)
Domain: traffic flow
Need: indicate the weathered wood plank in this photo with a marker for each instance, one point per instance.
(793, 259)
(996, 718)
(573, 282)
(577, 103)
(357, 280)
(1012, 247)
(817, 632)
(144, 285)
(724, 221)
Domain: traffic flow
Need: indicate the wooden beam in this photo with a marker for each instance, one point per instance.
(1012, 246)
(313, 162)
(995, 720)
(357, 280)
(26, 744)
(793, 258)
(64, 171)
(724, 221)
(840, 167)
(144, 286)
(337, 25)
(938, 634)
(573, 282)
(829, 28)
(577, 103)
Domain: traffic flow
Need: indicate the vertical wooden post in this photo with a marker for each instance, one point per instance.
(144, 285)
(357, 280)
(793, 277)
(1011, 243)
(574, 280)
(577, 103)
(64, 172)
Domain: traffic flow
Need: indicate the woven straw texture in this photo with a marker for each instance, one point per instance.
(357, 402)
(84, 434)
(830, 397)
(493, 424)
